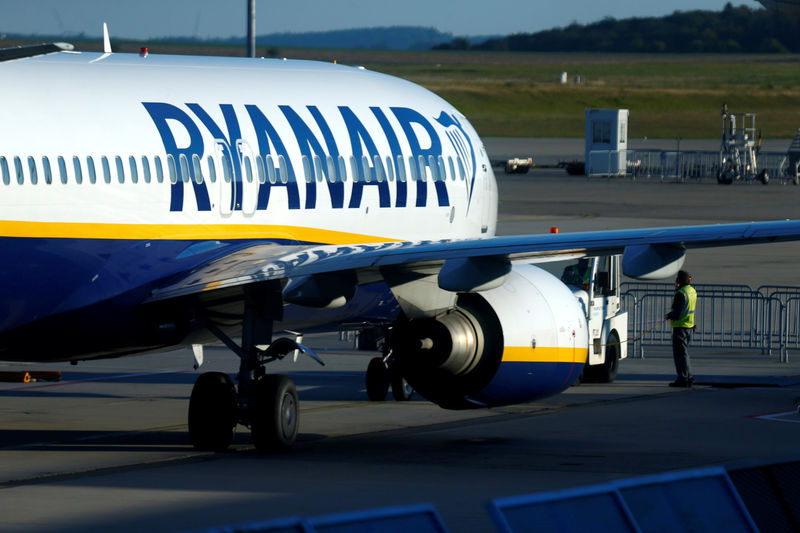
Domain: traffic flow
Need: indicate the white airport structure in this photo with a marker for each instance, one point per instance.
(606, 141)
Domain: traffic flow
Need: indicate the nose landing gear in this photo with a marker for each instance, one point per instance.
(266, 403)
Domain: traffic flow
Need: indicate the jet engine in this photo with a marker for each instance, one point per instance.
(523, 340)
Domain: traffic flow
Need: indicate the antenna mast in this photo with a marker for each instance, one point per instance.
(251, 28)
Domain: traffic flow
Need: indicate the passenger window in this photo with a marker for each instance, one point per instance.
(90, 168)
(366, 168)
(18, 170)
(134, 169)
(461, 173)
(106, 169)
(433, 167)
(452, 168)
(412, 167)
(378, 168)
(32, 170)
(389, 168)
(184, 170)
(442, 169)
(76, 166)
(283, 169)
(4, 171)
(212, 169)
(342, 169)
(307, 169)
(401, 169)
(146, 169)
(227, 171)
(318, 168)
(198, 172)
(62, 169)
(270, 164)
(354, 168)
(423, 173)
(48, 172)
(173, 172)
(260, 171)
(120, 169)
(332, 177)
(159, 169)
(248, 168)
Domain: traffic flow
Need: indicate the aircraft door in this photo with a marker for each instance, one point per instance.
(225, 178)
(488, 189)
(249, 179)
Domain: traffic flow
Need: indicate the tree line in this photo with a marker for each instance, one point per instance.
(733, 30)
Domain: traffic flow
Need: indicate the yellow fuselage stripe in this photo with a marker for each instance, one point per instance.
(83, 230)
(522, 354)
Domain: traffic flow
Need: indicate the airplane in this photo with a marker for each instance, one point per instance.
(787, 7)
(150, 202)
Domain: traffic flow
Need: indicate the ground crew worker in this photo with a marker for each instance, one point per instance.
(578, 274)
(682, 321)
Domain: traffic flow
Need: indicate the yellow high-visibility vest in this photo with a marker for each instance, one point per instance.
(686, 320)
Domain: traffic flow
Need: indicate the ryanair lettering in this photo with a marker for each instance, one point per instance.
(182, 134)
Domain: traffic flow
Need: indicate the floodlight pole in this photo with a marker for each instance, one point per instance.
(251, 28)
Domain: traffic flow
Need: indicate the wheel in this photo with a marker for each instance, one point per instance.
(729, 177)
(212, 412)
(764, 176)
(606, 372)
(401, 390)
(377, 380)
(274, 414)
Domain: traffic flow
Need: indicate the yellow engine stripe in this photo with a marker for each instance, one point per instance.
(82, 230)
(542, 354)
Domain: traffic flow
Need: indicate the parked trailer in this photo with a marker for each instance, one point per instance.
(515, 165)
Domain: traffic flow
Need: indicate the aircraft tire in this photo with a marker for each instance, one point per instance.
(274, 414)
(377, 380)
(401, 390)
(212, 412)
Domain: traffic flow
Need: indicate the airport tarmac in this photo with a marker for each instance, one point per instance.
(107, 448)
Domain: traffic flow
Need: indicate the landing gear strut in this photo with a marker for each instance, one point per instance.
(267, 403)
(382, 372)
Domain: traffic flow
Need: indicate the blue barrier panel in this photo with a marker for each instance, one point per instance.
(597, 509)
(697, 500)
(292, 524)
(414, 518)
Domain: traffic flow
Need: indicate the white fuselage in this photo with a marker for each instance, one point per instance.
(294, 150)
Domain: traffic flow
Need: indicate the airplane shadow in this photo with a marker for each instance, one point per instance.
(335, 386)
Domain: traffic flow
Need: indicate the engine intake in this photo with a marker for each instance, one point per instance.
(449, 357)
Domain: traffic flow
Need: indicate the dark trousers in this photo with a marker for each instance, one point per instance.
(680, 352)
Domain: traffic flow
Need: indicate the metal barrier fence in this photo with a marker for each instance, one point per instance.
(726, 316)
(674, 165)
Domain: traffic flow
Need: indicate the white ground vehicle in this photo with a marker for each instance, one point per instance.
(595, 282)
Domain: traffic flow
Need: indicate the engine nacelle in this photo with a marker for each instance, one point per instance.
(524, 340)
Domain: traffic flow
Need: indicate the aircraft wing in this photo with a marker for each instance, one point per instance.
(268, 261)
